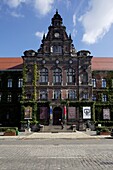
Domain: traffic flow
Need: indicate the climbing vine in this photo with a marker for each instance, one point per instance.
(35, 82)
(24, 82)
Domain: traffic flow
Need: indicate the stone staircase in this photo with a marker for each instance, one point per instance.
(56, 129)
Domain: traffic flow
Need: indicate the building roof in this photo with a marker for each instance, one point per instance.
(98, 63)
(102, 63)
(11, 63)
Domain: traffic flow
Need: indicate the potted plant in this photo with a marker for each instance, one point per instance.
(105, 131)
(10, 132)
(34, 126)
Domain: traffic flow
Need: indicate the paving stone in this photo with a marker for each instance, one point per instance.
(56, 157)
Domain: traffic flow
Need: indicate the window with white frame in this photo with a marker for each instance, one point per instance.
(72, 94)
(44, 75)
(94, 97)
(71, 75)
(104, 98)
(57, 75)
(9, 83)
(20, 82)
(57, 94)
(84, 78)
(57, 49)
(103, 83)
(94, 82)
(43, 94)
(85, 96)
(19, 97)
(9, 98)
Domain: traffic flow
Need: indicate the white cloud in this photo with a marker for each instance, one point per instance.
(74, 19)
(97, 21)
(68, 3)
(43, 6)
(17, 15)
(13, 3)
(74, 32)
(39, 34)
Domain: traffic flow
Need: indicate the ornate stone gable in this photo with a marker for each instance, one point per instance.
(57, 42)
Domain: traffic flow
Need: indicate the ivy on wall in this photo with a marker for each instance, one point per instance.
(35, 82)
(33, 101)
(24, 82)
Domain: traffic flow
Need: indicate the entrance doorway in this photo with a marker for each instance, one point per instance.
(57, 116)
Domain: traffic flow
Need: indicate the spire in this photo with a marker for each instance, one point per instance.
(57, 20)
(44, 36)
(56, 11)
(70, 36)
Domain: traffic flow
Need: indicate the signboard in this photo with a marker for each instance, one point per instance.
(43, 113)
(86, 112)
(71, 113)
(106, 114)
(28, 112)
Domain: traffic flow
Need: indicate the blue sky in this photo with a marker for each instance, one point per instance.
(23, 22)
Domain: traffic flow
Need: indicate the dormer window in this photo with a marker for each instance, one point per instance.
(57, 49)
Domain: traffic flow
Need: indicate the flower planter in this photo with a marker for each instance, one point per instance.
(9, 133)
(104, 133)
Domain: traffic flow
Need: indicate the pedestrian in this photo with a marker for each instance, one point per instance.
(62, 125)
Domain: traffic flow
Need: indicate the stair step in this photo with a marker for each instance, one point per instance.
(55, 129)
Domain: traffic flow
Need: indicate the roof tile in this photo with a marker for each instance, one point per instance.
(11, 63)
(98, 63)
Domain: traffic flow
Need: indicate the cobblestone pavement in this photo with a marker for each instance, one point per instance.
(33, 156)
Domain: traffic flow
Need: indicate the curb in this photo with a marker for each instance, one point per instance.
(72, 135)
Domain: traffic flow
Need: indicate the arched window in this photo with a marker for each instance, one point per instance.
(72, 94)
(71, 76)
(43, 95)
(57, 94)
(44, 75)
(57, 76)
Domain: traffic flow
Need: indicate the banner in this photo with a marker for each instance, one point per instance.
(87, 112)
(65, 112)
(71, 113)
(51, 113)
(28, 112)
(106, 114)
(51, 110)
(43, 113)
